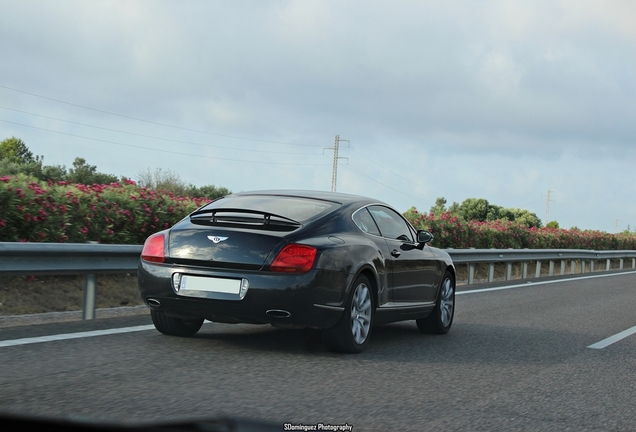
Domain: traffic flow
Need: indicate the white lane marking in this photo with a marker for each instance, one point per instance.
(599, 345)
(531, 284)
(612, 339)
(66, 336)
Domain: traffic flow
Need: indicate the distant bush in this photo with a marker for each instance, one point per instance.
(117, 213)
(454, 232)
(170, 181)
(479, 209)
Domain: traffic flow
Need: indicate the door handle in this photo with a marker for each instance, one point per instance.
(395, 253)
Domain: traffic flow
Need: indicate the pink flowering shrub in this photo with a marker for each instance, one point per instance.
(453, 232)
(61, 212)
(126, 214)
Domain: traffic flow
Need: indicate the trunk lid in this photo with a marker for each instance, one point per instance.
(221, 247)
(241, 231)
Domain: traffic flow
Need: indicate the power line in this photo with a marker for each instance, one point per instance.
(387, 186)
(153, 122)
(151, 136)
(187, 154)
(160, 150)
(391, 172)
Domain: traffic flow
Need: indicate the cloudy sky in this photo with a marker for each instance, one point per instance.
(502, 100)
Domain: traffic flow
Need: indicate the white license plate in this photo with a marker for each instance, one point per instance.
(210, 284)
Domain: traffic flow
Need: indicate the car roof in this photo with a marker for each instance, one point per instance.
(320, 195)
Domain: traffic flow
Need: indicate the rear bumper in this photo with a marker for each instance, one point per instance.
(315, 299)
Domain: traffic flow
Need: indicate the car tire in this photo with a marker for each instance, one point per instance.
(441, 319)
(175, 326)
(353, 331)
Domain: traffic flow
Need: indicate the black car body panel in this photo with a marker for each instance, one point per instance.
(229, 243)
(190, 244)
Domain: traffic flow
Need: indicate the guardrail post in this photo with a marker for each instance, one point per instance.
(607, 266)
(471, 273)
(572, 266)
(562, 267)
(633, 262)
(524, 271)
(551, 271)
(582, 266)
(537, 273)
(90, 288)
(621, 264)
(591, 266)
(491, 272)
(508, 271)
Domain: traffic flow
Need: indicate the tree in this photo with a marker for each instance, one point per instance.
(84, 173)
(15, 150)
(507, 214)
(454, 208)
(170, 181)
(54, 173)
(525, 217)
(159, 179)
(16, 158)
(480, 209)
(207, 191)
(439, 207)
(474, 209)
(552, 224)
(496, 212)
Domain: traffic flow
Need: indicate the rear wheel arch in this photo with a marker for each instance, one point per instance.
(352, 332)
(372, 276)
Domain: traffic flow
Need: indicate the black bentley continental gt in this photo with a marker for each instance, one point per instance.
(329, 261)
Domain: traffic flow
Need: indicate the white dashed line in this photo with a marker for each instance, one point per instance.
(612, 339)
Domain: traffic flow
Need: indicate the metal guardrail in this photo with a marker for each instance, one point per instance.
(67, 258)
(92, 259)
(539, 256)
(70, 259)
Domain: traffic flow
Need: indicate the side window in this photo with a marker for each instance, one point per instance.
(365, 222)
(391, 223)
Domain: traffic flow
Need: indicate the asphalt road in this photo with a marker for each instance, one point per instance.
(515, 359)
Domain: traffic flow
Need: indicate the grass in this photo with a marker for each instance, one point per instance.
(21, 295)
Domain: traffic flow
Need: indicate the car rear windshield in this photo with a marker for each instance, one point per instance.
(298, 209)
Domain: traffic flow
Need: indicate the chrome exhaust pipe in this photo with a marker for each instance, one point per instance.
(153, 303)
(277, 313)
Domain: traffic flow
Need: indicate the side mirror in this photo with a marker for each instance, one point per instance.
(424, 237)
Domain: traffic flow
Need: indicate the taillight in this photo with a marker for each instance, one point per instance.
(294, 258)
(153, 248)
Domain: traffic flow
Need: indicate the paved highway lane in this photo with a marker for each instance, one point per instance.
(515, 359)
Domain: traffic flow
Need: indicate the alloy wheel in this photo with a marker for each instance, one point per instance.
(447, 302)
(361, 306)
